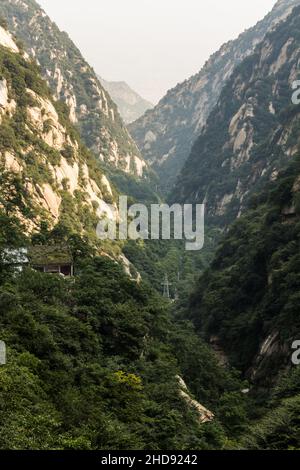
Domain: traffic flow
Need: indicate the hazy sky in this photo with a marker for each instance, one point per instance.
(152, 44)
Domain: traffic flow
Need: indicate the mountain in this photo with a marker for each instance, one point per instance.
(245, 142)
(246, 303)
(81, 350)
(95, 361)
(72, 79)
(96, 364)
(247, 306)
(47, 174)
(165, 135)
(100, 361)
(130, 104)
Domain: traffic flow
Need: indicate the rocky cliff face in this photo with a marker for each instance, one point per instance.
(166, 134)
(249, 298)
(247, 163)
(130, 104)
(46, 173)
(72, 79)
(246, 140)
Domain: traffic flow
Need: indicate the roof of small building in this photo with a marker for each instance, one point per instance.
(38, 255)
(49, 255)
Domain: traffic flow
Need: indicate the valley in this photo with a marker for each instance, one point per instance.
(142, 344)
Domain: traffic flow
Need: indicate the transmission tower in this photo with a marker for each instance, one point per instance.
(166, 287)
(176, 295)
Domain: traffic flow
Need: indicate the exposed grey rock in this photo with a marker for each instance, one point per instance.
(177, 120)
(72, 80)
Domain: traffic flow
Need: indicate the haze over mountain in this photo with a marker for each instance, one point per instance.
(244, 142)
(166, 133)
(117, 39)
(45, 169)
(251, 172)
(100, 359)
(247, 303)
(130, 104)
(73, 80)
(90, 358)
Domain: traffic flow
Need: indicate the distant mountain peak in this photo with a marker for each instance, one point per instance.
(246, 141)
(73, 81)
(131, 105)
(165, 134)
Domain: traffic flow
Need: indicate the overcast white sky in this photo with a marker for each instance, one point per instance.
(152, 44)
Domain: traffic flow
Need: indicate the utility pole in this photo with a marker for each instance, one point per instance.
(180, 268)
(176, 296)
(166, 285)
(2, 353)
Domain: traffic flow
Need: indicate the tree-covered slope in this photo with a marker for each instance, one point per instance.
(247, 306)
(248, 136)
(72, 80)
(97, 362)
(248, 300)
(166, 134)
(47, 175)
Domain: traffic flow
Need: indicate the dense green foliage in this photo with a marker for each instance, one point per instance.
(140, 190)
(278, 429)
(252, 287)
(92, 362)
(155, 258)
(58, 56)
(166, 133)
(251, 293)
(244, 141)
(27, 143)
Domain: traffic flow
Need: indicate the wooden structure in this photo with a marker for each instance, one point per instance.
(2, 353)
(55, 259)
(51, 259)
